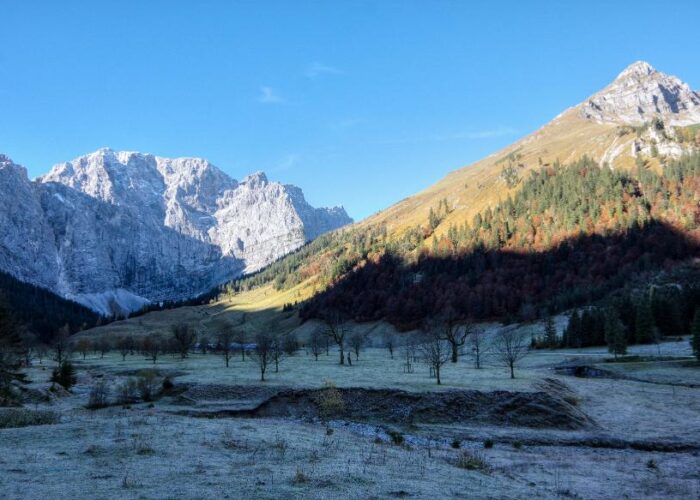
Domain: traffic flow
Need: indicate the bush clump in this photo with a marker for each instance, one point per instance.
(471, 461)
(20, 417)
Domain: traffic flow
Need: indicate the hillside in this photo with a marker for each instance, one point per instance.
(525, 227)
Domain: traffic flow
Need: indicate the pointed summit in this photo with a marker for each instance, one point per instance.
(638, 69)
(641, 93)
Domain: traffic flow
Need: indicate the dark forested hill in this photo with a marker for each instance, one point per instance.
(42, 311)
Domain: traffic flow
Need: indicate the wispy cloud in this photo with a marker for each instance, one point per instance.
(316, 69)
(269, 96)
(286, 163)
(475, 134)
(468, 135)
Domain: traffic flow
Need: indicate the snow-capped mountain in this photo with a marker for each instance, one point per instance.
(116, 230)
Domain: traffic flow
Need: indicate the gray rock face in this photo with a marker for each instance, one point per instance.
(641, 93)
(115, 230)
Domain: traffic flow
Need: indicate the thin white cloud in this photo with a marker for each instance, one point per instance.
(470, 135)
(269, 96)
(316, 69)
(476, 134)
(287, 162)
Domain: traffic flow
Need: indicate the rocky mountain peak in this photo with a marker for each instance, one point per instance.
(117, 229)
(638, 69)
(255, 180)
(641, 93)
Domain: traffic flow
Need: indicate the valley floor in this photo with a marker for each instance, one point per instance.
(641, 437)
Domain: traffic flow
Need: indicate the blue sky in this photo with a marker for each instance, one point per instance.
(359, 103)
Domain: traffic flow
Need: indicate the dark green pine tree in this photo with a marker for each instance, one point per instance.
(615, 334)
(550, 333)
(573, 330)
(695, 332)
(10, 355)
(644, 322)
(64, 375)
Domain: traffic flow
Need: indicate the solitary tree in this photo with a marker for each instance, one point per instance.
(103, 346)
(278, 352)
(184, 337)
(644, 322)
(389, 342)
(336, 330)
(550, 332)
(263, 352)
(124, 347)
(357, 341)
(64, 375)
(290, 344)
(573, 330)
(510, 347)
(225, 339)
(60, 343)
(695, 332)
(239, 338)
(615, 334)
(451, 331)
(435, 351)
(83, 346)
(152, 347)
(203, 344)
(479, 346)
(316, 342)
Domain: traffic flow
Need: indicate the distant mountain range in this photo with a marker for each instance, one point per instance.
(117, 230)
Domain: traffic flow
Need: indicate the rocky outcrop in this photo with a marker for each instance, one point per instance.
(641, 93)
(115, 230)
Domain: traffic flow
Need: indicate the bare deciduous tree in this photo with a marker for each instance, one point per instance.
(225, 339)
(479, 346)
(263, 353)
(316, 342)
(336, 330)
(103, 346)
(184, 337)
(204, 344)
(451, 331)
(357, 341)
(435, 351)
(60, 343)
(510, 347)
(278, 352)
(152, 347)
(409, 352)
(290, 344)
(239, 338)
(83, 346)
(124, 347)
(389, 342)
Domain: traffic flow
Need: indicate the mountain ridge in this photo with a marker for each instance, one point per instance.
(150, 228)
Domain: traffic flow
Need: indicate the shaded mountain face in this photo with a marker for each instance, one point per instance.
(116, 230)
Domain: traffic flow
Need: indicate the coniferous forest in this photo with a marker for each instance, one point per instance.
(572, 235)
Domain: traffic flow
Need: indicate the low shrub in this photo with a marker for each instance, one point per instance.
(21, 417)
(471, 461)
(99, 396)
(396, 437)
